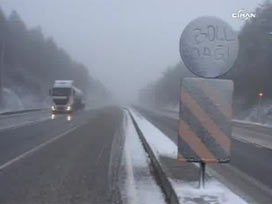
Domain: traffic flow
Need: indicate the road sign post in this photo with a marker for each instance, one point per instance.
(208, 48)
(202, 169)
(260, 95)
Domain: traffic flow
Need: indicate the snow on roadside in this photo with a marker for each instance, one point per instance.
(155, 138)
(139, 185)
(252, 123)
(174, 113)
(188, 193)
(263, 140)
(173, 108)
(259, 141)
(214, 192)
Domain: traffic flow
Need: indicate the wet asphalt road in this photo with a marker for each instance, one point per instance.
(57, 161)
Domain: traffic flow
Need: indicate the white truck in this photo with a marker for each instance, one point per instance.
(66, 98)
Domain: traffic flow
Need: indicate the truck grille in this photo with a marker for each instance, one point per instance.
(60, 101)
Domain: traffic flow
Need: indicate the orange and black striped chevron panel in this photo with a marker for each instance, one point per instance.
(205, 120)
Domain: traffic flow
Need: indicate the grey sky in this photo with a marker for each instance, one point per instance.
(125, 43)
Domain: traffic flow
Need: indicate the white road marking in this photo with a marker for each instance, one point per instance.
(23, 124)
(22, 156)
(100, 154)
(131, 191)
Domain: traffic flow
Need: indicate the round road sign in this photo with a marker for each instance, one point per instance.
(209, 47)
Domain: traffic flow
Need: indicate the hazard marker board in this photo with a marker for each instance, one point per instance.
(205, 120)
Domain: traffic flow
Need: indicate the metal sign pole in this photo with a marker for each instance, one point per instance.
(202, 175)
(258, 111)
(259, 108)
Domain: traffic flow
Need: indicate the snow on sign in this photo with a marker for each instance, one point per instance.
(205, 120)
(209, 47)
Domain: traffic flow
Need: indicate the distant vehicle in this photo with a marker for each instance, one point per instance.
(66, 98)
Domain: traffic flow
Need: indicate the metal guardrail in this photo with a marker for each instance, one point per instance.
(161, 177)
(21, 111)
(235, 122)
(247, 124)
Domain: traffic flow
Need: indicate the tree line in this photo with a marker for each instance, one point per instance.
(252, 72)
(31, 62)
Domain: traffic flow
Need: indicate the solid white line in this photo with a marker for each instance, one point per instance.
(130, 181)
(22, 156)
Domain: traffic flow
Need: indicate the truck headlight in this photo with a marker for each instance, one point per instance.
(69, 108)
(53, 108)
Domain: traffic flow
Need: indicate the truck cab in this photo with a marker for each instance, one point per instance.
(65, 97)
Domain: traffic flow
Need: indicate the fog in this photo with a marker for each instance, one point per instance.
(126, 44)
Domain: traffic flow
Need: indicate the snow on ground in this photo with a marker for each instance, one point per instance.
(155, 138)
(174, 108)
(262, 140)
(11, 101)
(188, 193)
(260, 113)
(214, 193)
(248, 136)
(139, 186)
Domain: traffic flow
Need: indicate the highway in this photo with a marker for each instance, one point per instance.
(251, 164)
(80, 161)
(60, 161)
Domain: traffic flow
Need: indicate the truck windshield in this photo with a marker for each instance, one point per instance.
(61, 91)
